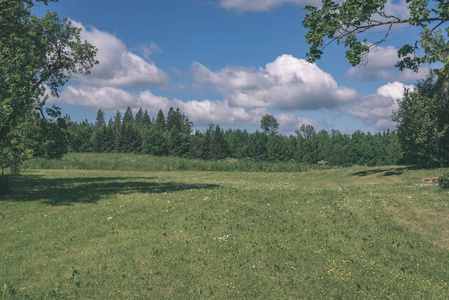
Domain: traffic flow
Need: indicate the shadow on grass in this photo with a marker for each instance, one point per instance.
(67, 191)
(387, 172)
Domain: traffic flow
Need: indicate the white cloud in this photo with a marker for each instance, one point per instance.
(111, 99)
(376, 109)
(288, 83)
(262, 5)
(117, 66)
(381, 66)
(290, 122)
(148, 50)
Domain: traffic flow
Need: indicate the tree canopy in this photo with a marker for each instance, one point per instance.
(269, 124)
(346, 21)
(37, 57)
(423, 122)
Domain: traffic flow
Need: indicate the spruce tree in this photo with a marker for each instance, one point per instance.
(160, 121)
(100, 119)
(139, 118)
(128, 118)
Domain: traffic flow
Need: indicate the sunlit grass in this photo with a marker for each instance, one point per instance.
(337, 233)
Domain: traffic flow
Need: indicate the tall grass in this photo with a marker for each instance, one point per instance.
(136, 162)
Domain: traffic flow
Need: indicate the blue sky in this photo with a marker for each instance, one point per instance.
(228, 62)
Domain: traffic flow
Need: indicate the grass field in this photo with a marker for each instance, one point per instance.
(321, 234)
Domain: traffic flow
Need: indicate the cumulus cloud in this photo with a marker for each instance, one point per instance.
(262, 5)
(117, 66)
(290, 122)
(376, 109)
(288, 83)
(111, 99)
(381, 67)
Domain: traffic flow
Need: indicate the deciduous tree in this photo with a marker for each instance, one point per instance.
(423, 122)
(37, 57)
(346, 21)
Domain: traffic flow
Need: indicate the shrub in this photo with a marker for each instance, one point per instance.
(444, 180)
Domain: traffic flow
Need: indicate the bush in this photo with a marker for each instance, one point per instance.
(444, 180)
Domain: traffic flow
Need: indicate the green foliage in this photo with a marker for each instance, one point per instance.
(128, 139)
(154, 142)
(13, 152)
(178, 143)
(198, 146)
(139, 120)
(269, 124)
(423, 122)
(277, 149)
(308, 146)
(35, 54)
(45, 138)
(444, 180)
(128, 118)
(218, 147)
(100, 119)
(160, 121)
(257, 145)
(348, 20)
(79, 136)
(100, 139)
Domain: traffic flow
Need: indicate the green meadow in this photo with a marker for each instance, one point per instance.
(186, 233)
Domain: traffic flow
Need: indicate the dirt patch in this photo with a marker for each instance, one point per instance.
(432, 180)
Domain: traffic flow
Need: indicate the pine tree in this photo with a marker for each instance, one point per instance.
(128, 118)
(160, 121)
(100, 119)
(146, 121)
(218, 146)
(139, 118)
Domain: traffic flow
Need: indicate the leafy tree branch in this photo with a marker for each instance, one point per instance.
(346, 22)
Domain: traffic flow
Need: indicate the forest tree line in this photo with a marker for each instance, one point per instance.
(173, 135)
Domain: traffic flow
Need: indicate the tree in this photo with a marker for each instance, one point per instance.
(45, 138)
(128, 118)
(218, 148)
(423, 122)
(100, 122)
(177, 119)
(12, 154)
(154, 142)
(146, 119)
(277, 148)
(160, 121)
(269, 124)
(36, 55)
(139, 118)
(257, 145)
(347, 21)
